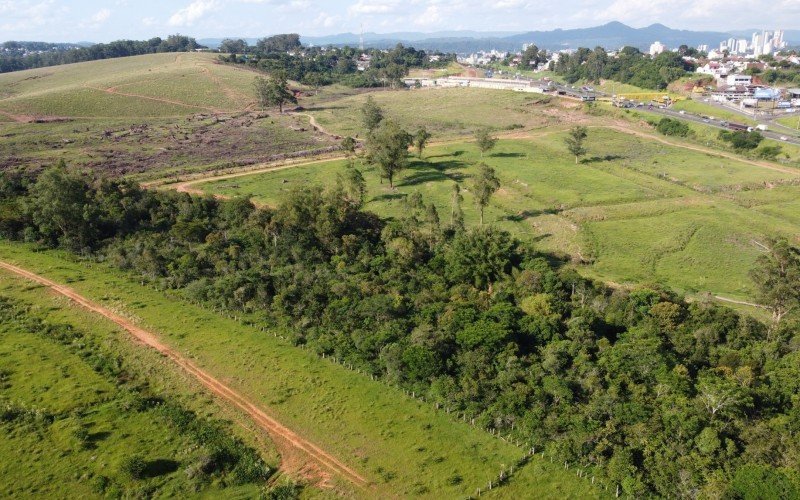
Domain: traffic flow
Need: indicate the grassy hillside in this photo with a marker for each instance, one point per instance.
(79, 399)
(142, 114)
(635, 210)
(404, 446)
(140, 86)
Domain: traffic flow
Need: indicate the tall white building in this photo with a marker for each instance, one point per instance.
(657, 48)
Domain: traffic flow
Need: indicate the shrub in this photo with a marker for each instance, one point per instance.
(668, 126)
(133, 467)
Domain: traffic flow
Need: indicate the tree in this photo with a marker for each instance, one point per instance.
(532, 57)
(349, 147)
(274, 91)
(355, 185)
(574, 141)
(456, 213)
(233, 46)
(387, 148)
(421, 140)
(484, 140)
(484, 186)
(372, 114)
(279, 43)
(777, 278)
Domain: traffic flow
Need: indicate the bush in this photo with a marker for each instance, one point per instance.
(769, 152)
(741, 140)
(133, 467)
(668, 126)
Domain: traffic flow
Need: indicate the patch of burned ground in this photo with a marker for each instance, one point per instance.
(203, 139)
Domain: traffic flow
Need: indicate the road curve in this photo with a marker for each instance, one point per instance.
(277, 431)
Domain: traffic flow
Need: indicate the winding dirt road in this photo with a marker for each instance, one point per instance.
(289, 442)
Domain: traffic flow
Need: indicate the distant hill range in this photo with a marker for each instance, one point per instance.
(610, 36)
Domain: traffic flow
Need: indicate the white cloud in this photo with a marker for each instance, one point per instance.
(324, 20)
(101, 16)
(369, 7)
(192, 12)
(149, 21)
(431, 16)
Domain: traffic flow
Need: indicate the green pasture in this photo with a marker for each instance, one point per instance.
(443, 111)
(633, 210)
(194, 81)
(93, 422)
(404, 446)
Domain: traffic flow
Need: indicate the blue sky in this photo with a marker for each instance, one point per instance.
(100, 21)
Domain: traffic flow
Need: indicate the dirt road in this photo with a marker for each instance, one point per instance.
(288, 442)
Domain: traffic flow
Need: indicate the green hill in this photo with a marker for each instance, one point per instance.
(141, 86)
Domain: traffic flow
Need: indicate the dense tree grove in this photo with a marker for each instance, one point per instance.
(318, 66)
(21, 58)
(664, 397)
(629, 66)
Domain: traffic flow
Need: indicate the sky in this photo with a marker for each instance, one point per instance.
(103, 21)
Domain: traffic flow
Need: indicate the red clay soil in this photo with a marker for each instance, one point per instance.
(299, 456)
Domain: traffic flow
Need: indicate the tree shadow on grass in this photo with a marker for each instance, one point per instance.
(525, 214)
(600, 159)
(388, 197)
(159, 467)
(508, 155)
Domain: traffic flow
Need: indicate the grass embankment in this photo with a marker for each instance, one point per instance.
(404, 446)
(635, 210)
(83, 399)
(702, 109)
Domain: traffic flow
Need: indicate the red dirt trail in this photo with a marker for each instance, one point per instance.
(287, 440)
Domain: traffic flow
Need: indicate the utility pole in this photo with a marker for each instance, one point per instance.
(361, 39)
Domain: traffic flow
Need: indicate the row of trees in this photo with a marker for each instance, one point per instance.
(16, 60)
(664, 397)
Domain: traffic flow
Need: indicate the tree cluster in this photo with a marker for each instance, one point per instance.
(664, 397)
(318, 66)
(629, 65)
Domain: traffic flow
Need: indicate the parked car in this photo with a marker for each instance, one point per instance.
(784, 138)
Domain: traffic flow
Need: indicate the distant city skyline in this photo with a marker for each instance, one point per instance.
(106, 20)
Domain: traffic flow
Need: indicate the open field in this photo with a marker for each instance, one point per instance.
(445, 112)
(634, 210)
(82, 419)
(140, 86)
(403, 446)
(160, 112)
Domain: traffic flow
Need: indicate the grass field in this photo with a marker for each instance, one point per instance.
(159, 112)
(443, 111)
(404, 446)
(81, 423)
(194, 82)
(634, 210)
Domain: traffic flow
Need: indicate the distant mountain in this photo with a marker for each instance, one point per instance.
(610, 36)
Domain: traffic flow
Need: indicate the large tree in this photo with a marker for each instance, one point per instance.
(777, 278)
(484, 186)
(274, 91)
(574, 141)
(387, 148)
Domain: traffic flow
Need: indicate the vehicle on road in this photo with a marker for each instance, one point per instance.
(784, 138)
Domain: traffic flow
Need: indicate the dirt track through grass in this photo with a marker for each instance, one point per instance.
(284, 437)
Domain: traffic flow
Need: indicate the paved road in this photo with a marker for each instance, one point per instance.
(716, 123)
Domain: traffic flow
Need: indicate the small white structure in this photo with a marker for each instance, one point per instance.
(738, 79)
